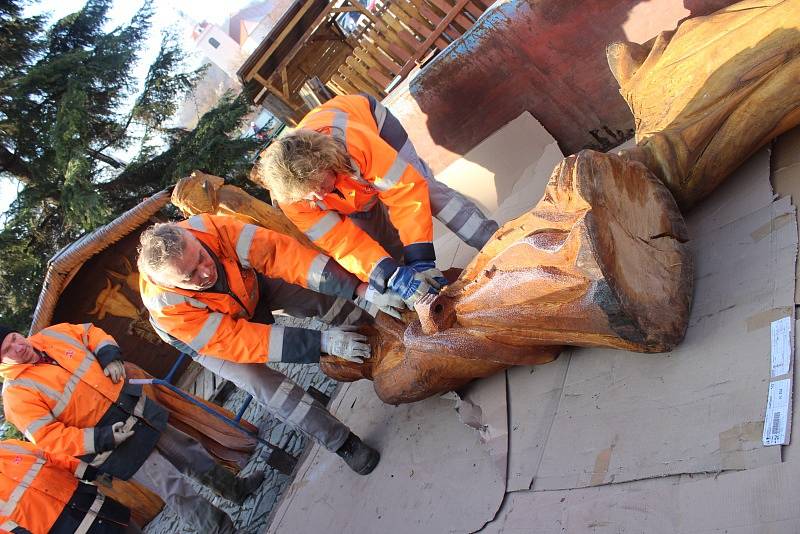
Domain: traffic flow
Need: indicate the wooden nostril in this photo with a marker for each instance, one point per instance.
(438, 308)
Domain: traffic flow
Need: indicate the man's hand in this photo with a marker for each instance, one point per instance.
(410, 285)
(389, 302)
(428, 270)
(120, 433)
(346, 343)
(115, 371)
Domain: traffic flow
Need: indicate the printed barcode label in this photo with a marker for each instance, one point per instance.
(776, 422)
(777, 405)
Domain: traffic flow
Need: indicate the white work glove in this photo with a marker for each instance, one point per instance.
(346, 343)
(120, 433)
(373, 301)
(115, 371)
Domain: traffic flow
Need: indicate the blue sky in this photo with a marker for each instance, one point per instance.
(167, 14)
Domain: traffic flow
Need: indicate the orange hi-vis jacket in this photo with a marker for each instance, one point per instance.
(36, 487)
(69, 408)
(381, 174)
(219, 324)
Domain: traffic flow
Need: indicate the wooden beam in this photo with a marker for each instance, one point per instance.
(407, 68)
(278, 40)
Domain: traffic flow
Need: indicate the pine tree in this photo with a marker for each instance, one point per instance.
(65, 110)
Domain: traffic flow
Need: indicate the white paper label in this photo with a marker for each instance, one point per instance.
(781, 346)
(775, 421)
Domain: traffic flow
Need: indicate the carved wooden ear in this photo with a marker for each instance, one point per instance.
(436, 313)
(624, 59)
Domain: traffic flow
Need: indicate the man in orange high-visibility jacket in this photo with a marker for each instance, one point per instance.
(350, 179)
(211, 283)
(65, 389)
(40, 494)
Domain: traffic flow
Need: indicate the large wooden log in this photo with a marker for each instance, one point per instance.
(707, 96)
(600, 261)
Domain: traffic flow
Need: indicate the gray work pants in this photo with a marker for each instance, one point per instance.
(282, 398)
(460, 214)
(164, 473)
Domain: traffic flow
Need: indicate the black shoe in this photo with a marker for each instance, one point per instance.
(228, 486)
(358, 455)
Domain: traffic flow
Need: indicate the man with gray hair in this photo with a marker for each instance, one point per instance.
(211, 283)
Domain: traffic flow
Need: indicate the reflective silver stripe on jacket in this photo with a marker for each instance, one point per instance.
(244, 243)
(13, 500)
(164, 298)
(280, 395)
(275, 350)
(339, 132)
(9, 525)
(379, 114)
(316, 270)
(196, 222)
(207, 332)
(301, 410)
(103, 344)
(392, 176)
(323, 225)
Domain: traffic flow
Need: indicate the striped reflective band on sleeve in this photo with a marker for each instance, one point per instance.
(9, 526)
(196, 222)
(207, 332)
(450, 210)
(80, 470)
(105, 343)
(392, 176)
(162, 299)
(88, 440)
(324, 225)
(471, 226)
(275, 350)
(380, 115)
(13, 500)
(244, 243)
(314, 276)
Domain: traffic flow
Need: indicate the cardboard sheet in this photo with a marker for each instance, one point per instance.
(626, 416)
(505, 175)
(435, 474)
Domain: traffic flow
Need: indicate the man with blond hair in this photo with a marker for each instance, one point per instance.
(211, 283)
(350, 179)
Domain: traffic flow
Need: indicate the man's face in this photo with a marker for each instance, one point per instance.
(17, 349)
(328, 183)
(195, 270)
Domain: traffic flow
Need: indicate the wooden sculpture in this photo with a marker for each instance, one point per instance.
(206, 193)
(708, 95)
(600, 261)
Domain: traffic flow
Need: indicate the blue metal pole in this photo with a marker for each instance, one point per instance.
(178, 362)
(241, 411)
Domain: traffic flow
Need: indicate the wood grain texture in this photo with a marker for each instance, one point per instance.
(708, 95)
(601, 261)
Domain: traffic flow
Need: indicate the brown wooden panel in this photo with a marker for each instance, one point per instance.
(378, 79)
(105, 291)
(375, 63)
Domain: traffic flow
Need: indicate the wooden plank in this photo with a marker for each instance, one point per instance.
(378, 79)
(373, 62)
(419, 29)
(358, 81)
(433, 19)
(391, 50)
(429, 41)
(342, 82)
(401, 34)
(280, 38)
(473, 9)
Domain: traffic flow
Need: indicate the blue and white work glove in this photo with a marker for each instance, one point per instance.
(433, 276)
(410, 285)
(374, 301)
